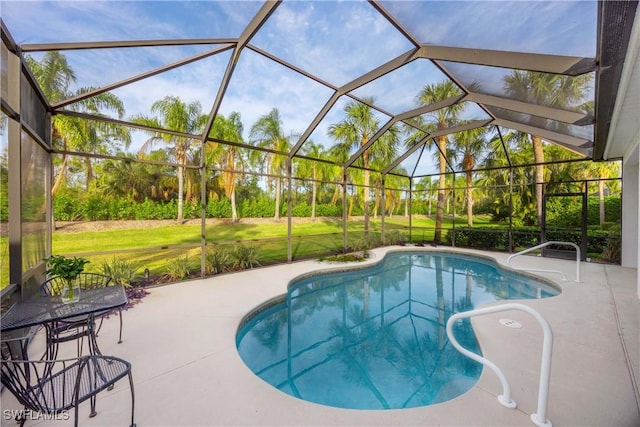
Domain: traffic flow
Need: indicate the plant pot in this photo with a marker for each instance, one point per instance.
(70, 294)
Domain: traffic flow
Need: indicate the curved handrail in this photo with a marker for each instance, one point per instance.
(540, 417)
(564, 277)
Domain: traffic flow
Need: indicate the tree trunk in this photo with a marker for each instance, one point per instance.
(87, 162)
(366, 201)
(234, 210)
(188, 188)
(337, 195)
(277, 208)
(538, 157)
(601, 200)
(442, 334)
(406, 205)
(314, 193)
(469, 199)
(442, 145)
(60, 178)
(376, 204)
(180, 191)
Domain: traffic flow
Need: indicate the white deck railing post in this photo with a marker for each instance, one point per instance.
(540, 417)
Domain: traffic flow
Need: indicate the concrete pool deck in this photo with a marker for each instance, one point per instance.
(187, 372)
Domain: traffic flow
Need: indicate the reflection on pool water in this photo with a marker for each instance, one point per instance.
(375, 338)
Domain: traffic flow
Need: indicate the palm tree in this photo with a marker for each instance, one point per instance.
(355, 131)
(603, 171)
(499, 176)
(228, 130)
(313, 169)
(126, 179)
(469, 144)
(445, 117)
(173, 114)
(55, 77)
(551, 90)
(269, 134)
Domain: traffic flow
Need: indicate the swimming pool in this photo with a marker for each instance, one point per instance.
(375, 338)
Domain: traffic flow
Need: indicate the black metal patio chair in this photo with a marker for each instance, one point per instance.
(75, 328)
(54, 387)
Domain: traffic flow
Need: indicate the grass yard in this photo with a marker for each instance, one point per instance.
(156, 247)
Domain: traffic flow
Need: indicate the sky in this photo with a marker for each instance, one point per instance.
(337, 41)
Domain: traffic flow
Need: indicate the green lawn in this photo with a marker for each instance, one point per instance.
(155, 248)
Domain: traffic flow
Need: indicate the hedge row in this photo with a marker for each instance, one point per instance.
(67, 207)
(525, 237)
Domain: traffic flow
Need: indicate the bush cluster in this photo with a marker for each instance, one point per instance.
(76, 207)
(525, 237)
(564, 212)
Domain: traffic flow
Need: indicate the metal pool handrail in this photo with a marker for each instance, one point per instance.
(539, 418)
(548, 271)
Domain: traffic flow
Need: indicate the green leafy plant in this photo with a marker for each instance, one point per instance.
(122, 272)
(218, 261)
(352, 257)
(179, 268)
(244, 256)
(65, 268)
(395, 237)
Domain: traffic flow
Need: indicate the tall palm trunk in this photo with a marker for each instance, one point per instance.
(406, 205)
(180, 191)
(314, 193)
(278, 184)
(469, 199)
(60, 178)
(234, 211)
(440, 303)
(538, 157)
(87, 162)
(601, 200)
(376, 203)
(366, 198)
(467, 164)
(337, 195)
(229, 179)
(188, 188)
(442, 146)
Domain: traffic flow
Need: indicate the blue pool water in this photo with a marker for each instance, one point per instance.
(375, 338)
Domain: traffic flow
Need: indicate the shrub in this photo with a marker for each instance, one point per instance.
(395, 237)
(244, 256)
(218, 261)
(301, 210)
(190, 209)
(95, 208)
(329, 210)
(219, 208)
(477, 237)
(612, 251)
(122, 272)
(179, 268)
(121, 209)
(365, 243)
(261, 207)
(66, 207)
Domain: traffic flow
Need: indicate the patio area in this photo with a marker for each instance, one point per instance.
(187, 372)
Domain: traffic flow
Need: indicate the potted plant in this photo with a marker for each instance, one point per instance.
(67, 269)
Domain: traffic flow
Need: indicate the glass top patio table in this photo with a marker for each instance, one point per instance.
(43, 310)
